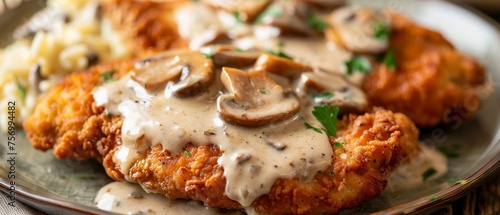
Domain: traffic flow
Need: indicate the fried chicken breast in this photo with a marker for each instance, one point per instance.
(68, 121)
(432, 83)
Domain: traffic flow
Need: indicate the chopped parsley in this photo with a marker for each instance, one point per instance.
(271, 11)
(309, 126)
(381, 30)
(332, 173)
(237, 16)
(21, 89)
(455, 181)
(434, 197)
(316, 23)
(389, 60)
(279, 53)
(339, 144)
(358, 63)
(448, 153)
(323, 95)
(428, 173)
(187, 153)
(191, 79)
(327, 116)
(108, 114)
(208, 52)
(84, 177)
(107, 75)
(264, 91)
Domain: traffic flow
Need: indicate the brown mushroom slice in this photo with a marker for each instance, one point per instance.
(245, 9)
(281, 66)
(230, 56)
(288, 16)
(358, 29)
(199, 24)
(190, 72)
(333, 89)
(254, 99)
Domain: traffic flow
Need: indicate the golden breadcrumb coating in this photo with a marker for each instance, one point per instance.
(432, 81)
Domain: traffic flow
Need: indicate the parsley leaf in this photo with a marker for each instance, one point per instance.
(187, 153)
(21, 89)
(316, 23)
(309, 126)
(279, 54)
(339, 144)
(389, 60)
(381, 31)
(107, 75)
(327, 116)
(434, 197)
(323, 95)
(428, 173)
(264, 91)
(358, 63)
(270, 11)
(237, 16)
(455, 181)
(208, 52)
(332, 173)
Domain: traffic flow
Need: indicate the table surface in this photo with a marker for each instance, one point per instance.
(483, 200)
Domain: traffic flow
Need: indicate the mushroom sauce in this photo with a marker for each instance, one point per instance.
(254, 156)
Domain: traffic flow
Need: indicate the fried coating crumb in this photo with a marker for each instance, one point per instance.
(432, 83)
(68, 121)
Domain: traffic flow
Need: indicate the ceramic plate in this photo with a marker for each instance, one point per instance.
(69, 186)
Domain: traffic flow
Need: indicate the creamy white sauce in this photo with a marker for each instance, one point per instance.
(410, 175)
(198, 23)
(128, 198)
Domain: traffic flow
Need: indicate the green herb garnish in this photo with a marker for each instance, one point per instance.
(332, 173)
(264, 91)
(237, 16)
(389, 60)
(327, 116)
(434, 197)
(428, 173)
(448, 153)
(316, 23)
(358, 63)
(187, 153)
(455, 181)
(84, 177)
(21, 89)
(107, 75)
(279, 54)
(208, 52)
(323, 95)
(309, 126)
(108, 114)
(381, 31)
(339, 144)
(270, 11)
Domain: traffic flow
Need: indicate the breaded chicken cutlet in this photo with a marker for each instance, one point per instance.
(68, 121)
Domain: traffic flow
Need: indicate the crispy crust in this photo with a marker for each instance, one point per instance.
(68, 121)
(432, 83)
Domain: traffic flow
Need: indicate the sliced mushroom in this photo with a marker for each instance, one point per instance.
(246, 10)
(199, 24)
(358, 29)
(281, 66)
(189, 70)
(41, 21)
(333, 89)
(230, 56)
(288, 16)
(254, 99)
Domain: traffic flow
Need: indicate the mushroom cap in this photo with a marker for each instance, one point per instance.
(230, 56)
(353, 28)
(281, 66)
(254, 99)
(190, 71)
